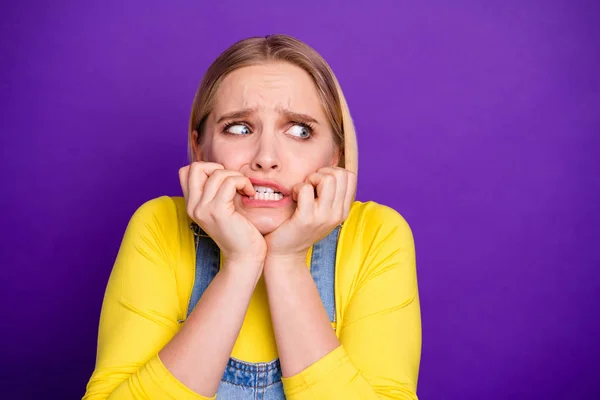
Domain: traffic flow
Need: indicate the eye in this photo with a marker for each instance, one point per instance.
(237, 129)
(300, 131)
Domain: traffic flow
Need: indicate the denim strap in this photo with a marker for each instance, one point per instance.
(207, 264)
(322, 269)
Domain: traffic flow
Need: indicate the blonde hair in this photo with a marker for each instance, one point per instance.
(272, 48)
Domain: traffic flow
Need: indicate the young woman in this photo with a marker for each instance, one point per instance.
(267, 280)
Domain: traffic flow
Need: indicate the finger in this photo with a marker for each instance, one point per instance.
(232, 185)
(325, 187)
(294, 191)
(213, 184)
(183, 181)
(350, 192)
(305, 195)
(197, 177)
(341, 185)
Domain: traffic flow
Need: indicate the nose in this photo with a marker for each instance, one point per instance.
(266, 157)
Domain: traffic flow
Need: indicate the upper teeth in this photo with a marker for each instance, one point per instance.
(264, 189)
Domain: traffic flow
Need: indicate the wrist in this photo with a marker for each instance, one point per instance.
(242, 269)
(284, 262)
(252, 260)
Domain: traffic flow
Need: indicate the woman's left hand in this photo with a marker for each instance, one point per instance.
(314, 218)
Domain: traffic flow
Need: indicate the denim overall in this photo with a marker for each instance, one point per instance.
(242, 380)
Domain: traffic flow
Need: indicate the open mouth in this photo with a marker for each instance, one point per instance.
(266, 194)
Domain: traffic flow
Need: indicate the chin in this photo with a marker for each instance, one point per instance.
(264, 224)
(266, 220)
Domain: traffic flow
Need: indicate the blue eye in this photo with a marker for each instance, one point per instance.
(300, 131)
(237, 129)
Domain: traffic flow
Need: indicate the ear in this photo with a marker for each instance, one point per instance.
(196, 153)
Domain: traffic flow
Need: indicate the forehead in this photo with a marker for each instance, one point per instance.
(268, 86)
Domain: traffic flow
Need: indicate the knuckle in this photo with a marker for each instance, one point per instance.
(213, 212)
(229, 182)
(197, 167)
(328, 178)
(196, 214)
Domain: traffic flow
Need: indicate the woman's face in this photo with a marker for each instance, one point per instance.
(268, 124)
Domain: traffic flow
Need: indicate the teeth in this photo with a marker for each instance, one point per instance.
(268, 196)
(264, 189)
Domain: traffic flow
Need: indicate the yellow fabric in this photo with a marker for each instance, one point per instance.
(377, 309)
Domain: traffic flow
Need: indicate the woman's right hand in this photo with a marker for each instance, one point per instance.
(209, 190)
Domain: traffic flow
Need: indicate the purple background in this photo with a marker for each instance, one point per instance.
(477, 120)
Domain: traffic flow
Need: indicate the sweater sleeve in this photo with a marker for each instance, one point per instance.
(140, 312)
(380, 333)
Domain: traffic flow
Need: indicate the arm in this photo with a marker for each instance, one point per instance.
(378, 352)
(140, 313)
(300, 323)
(198, 354)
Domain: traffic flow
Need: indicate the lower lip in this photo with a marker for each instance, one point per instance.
(249, 202)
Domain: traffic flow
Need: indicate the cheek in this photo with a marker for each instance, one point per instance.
(230, 156)
(309, 161)
(298, 168)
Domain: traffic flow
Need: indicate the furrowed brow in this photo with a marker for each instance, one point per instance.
(297, 116)
(237, 114)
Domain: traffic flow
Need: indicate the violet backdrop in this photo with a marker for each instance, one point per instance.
(479, 121)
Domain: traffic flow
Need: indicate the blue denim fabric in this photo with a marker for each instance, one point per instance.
(261, 381)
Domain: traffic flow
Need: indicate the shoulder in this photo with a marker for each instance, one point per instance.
(158, 206)
(375, 238)
(372, 221)
(148, 273)
(160, 223)
(164, 211)
(376, 260)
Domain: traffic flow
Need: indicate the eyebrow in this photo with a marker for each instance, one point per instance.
(294, 116)
(244, 113)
